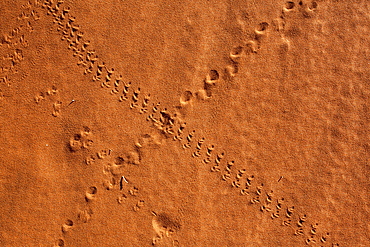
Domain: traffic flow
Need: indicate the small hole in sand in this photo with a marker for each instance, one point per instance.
(186, 96)
(213, 75)
(92, 190)
(77, 137)
(289, 5)
(86, 129)
(60, 242)
(69, 223)
(119, 160)
(237, 50)
(313, 5)
(262, 26)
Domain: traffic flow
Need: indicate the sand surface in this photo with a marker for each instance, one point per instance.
(184, 123)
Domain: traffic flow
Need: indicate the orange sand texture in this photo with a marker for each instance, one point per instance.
(184, 123)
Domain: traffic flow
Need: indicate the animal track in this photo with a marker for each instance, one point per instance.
(90, 194)
(261, 31)
(289, 6)
(90, 160)
(84, 216)
(133, 157)
(81, 141)
(72, 34)
(186, 98)
(59, 243)
(139, 205)
(47, 93)
(67, 226)
(57, 106)
(102, 154)
(164, 227)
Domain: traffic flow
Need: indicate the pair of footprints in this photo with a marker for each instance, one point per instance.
(83, 215)
(132, 192)
(57, 105)
(209, 83)
(81, 140)
(198, 149)
(307, 9)
(48, 93)
(102, 154)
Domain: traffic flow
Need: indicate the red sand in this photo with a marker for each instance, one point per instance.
(260, 138)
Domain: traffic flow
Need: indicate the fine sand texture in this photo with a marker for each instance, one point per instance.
(184, 123)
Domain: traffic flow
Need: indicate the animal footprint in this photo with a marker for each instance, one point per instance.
(164, 227)
(139, 205)
(189, 139)
(67, 226)
(81, 140)
(133, 191)
(289, 6)
(39, 97)
(180, 130)
(57, 106)
(90, 160)
(232, 69)
(121, 198)
(185, 98)
(148, 140)
(145, 103)
(135, 99)
(236, 53)
(252, 47)
(42, 96)
(75, 144)
(103, 153)
(84, 216)
(90, 194)
(210, 82)
(261, 30)
(133, 157)
(109, 183)
(59, 243)
(308, 10)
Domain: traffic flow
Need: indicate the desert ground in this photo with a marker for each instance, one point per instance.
(184, 123)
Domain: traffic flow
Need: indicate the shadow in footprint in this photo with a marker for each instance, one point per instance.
(59, 243)
(67, 226)
(91, 193)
